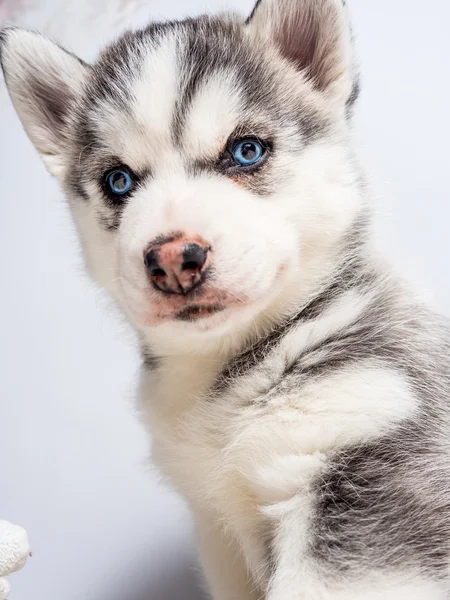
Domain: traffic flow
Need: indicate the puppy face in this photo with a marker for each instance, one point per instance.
(206, 161)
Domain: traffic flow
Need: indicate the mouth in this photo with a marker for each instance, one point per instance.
(208, 305)
(182, 309)
(196, 312)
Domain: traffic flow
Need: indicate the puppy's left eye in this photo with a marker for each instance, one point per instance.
(248, 152)
(118, 182)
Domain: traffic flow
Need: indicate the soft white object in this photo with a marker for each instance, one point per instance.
(14, 551)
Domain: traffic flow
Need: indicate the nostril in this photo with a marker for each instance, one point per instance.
(190, 265)
(194, 257)
(152, 264)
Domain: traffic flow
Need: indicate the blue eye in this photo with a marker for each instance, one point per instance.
(119, 182)
(248, 152)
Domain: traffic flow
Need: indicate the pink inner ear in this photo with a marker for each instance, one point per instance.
(310, 37)
(314, 34)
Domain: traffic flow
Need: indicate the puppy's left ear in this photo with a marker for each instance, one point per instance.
(44, 82)
(315, 36)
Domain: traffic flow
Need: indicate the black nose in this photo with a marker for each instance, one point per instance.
(176, 267)
(194, 257)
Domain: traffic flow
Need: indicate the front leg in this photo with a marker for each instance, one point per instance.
(293, 574)
(224, 566)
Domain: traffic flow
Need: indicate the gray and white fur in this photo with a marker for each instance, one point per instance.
(296, 391)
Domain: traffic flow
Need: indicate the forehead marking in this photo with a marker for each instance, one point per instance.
(212, 116)
(155, 90)
(140, 132)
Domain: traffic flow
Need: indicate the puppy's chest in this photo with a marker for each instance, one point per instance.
(240, 449)
(195, 441)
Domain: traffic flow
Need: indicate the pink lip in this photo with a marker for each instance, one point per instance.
(181, 308)
(168, 305)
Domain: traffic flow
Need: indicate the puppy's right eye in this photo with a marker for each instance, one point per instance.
(248, 152)
(118, 183)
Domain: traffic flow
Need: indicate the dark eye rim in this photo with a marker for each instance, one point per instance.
(106, 188)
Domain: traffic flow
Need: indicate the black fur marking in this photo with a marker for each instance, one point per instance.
(110, 219)
(253, 13)
(151, 362)
(190, 313)
(350, 274)
(196, 55)
(369, 338)
(356, 90)
(53, 102)
(385, 505)
(165, 239)
(117, 67)
(84, 166)
(74, 185)
(3, 37)
(244, 363)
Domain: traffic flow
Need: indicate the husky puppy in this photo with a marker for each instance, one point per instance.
(296, 392)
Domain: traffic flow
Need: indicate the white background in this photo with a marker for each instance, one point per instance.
(73, 466)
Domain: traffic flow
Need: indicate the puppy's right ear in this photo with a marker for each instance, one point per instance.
(44, 82)
(314, 35)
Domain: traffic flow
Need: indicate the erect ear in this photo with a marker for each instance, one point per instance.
(315, 36)
(44, 82)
